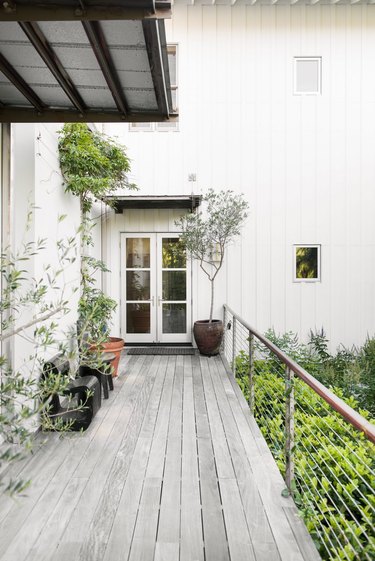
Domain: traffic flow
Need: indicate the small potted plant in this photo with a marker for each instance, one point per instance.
(95, 311)
(206, 235)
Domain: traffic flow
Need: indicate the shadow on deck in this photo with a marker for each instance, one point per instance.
(173, 468)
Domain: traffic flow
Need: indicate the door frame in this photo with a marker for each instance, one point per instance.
(155, 336)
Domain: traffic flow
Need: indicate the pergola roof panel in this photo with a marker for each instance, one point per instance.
(10, 94)
(98, 97)
(141, 100)
(123, 33)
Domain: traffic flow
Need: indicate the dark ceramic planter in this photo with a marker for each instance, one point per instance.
(208, 336)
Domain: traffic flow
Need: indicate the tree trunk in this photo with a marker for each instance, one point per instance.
(212, 300)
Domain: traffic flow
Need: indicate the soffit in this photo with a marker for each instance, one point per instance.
(84, 60)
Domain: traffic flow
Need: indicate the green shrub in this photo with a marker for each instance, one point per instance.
(334, 463)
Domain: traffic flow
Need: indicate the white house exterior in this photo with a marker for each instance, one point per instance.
(303, 160)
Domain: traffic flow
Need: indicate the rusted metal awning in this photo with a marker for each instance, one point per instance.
(84, 60)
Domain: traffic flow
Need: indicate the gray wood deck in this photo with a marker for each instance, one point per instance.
(173, 468)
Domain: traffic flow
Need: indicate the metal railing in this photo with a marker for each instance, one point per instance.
(322, 446)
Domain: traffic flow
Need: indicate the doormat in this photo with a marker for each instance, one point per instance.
(161, 351)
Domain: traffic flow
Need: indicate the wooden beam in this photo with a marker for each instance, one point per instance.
(52, 11)
(152, 39)
(19, 83)
(40, 43)
(164, 55)
(99, 45)
(47, 115)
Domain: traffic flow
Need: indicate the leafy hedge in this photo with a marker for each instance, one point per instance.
(352, 370)
(334, 463)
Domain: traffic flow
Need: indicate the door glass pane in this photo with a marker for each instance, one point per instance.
(137, 253)
(138, 285)
(174, 318)
(173, 254)
(138, 318)
(174, 285)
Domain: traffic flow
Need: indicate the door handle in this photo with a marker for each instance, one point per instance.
(153, 300)
(159, 300)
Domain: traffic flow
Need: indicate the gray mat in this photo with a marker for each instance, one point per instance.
(161, 351)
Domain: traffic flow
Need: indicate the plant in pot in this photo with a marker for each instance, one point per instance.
(206, 235)
(95, 310)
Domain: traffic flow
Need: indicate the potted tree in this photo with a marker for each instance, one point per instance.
(206, 235)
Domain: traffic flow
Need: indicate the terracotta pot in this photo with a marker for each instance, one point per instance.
(114, 345)
(208, 336)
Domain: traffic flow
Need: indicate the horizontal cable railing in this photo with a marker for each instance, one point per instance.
(322, 446)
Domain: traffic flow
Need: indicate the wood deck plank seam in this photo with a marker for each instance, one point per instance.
(165, 456)
(113, 413)
(198, 381)
(166, 395)
(239, 455)
(135, 376)
(306, 548)
(250, 554)
(190, 500)
(161, 371)
(96, 481)
(41, 509)
(94, 547)
(98, 478)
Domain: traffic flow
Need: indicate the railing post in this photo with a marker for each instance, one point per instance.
(289, 427)
(234, 346)
(251, 372)
(223, 345)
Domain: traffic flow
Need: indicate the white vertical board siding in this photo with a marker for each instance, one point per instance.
(304, 162)
(37, 187)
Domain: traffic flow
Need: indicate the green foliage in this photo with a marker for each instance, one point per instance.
(207, 233)
(95, 311)
(93, 165)
(30, 309)
(334, 463)
(351, 370)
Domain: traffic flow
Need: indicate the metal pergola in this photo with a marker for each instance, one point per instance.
(84, 60)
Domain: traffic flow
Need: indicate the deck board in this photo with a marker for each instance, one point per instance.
(173, 468)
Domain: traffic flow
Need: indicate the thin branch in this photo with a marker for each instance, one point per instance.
(39, 319)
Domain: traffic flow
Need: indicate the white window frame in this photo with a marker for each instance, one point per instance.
(174, 87)
(314, 245)
(173, 126)
(319, 61)
(145, 127)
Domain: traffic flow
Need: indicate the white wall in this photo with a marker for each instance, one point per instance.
(37, 183)
(305, 163)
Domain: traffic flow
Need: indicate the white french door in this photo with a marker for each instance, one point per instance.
(155, 289)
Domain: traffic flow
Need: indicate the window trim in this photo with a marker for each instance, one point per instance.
(295, 61)
(318, 278)
(141, 127)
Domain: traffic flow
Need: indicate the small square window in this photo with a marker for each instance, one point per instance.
(307, 75)
(306, 263)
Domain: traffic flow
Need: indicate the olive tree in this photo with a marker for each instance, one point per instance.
(207, 233)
